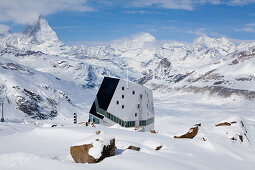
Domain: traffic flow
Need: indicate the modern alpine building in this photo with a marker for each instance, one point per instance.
(125, 103)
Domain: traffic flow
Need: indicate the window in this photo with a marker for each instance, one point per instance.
(133, 92)
(138, 106)
(141, 96)
(122, 96)
(135, 114)
(117, 102)
(122, 106)
(122, 88)
(142, 123)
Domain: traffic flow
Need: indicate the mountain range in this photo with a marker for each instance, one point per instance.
(40, 75)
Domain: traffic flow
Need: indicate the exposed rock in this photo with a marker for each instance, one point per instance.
(199, 124)
(98, 132)
(81, 153)
(153, 131)
(191, 134)
(221, 91)
(134, 148)
(158, 148)
(235, 61)
(218, 82)
(224, 124)
(233, 138)
(241, 138)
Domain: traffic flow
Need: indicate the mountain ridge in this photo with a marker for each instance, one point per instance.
(208, 65)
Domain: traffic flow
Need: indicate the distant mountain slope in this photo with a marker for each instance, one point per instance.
(29, 93)
(207, 65)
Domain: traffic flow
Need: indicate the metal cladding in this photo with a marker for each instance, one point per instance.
(125, 103)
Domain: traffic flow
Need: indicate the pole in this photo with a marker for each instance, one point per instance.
(2, 119)
(75, 118)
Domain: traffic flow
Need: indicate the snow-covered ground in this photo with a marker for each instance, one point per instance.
(42, 78)
(37, 145)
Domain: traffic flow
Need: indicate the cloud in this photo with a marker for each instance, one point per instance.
(169, 4)
(198, 32)
(241, 2)
(137, 12)
(247, 28)
(4, 28)
(186, 4)
(28, 11)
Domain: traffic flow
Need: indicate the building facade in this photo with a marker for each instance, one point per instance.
(125, 103)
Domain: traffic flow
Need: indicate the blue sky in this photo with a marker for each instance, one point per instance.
(80, 21)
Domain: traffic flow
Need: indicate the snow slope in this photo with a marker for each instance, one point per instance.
(209, 81)
(43, 147)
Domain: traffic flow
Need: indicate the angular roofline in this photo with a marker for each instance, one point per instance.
(129, 82)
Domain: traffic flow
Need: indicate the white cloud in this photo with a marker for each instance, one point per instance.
(247, 28)
(170, 4)
(28, 11)
(241, 2)
(198, 32)
(186, 4)
(4, 28)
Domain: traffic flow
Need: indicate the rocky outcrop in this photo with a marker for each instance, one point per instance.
(134, 148)
(93, 152)
(158, 148)
(222, 91)
(224, 124)
(191, 133)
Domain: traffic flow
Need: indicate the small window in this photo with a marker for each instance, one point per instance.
(141, 96)
(147, 105)
(122, 96)
(122, 106)
(135, 114)
(138, 106)
(122, 88)
(117, 102)
(133, 92)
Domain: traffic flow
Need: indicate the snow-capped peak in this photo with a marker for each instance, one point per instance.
(223, 45)
(145, 37)
(41, 32)
(212, 42)
(136, 42)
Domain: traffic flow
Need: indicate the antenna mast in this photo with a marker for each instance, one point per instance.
(2, 119)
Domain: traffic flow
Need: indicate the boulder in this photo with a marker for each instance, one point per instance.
(224, 124)
(191, 133)
(134, 148)
(153, 131)
(158, 148)
(93, 151)
(80, 154)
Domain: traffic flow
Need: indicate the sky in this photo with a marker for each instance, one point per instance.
(95, 21)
